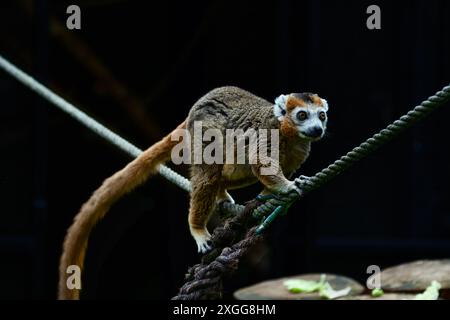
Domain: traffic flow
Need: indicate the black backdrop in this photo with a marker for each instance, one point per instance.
(391, 208)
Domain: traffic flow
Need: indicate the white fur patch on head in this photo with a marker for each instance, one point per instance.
(279, 108)
(324, 104)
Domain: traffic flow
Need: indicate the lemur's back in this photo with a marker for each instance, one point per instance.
(232, 108)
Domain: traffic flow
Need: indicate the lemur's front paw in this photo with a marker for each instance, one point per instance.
(300, 181)
(290, 187)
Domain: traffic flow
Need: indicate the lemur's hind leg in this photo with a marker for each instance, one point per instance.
(205, 182)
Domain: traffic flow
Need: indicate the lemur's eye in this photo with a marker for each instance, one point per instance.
(302, 115)
(322, 116)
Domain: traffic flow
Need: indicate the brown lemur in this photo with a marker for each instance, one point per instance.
(300, 118)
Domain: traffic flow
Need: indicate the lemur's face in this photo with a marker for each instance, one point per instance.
(302, 114)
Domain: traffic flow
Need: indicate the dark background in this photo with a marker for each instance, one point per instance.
(139, 67)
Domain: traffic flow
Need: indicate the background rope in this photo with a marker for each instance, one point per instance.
(204, 280)
(87, 121)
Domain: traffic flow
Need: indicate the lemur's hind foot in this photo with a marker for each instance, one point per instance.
(202, 238)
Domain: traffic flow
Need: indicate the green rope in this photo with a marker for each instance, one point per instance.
(272, 207)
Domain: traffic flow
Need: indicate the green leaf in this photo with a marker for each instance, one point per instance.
(377, 292)
(300, 285)
(324, 288)
(327, 291)
(430, 293)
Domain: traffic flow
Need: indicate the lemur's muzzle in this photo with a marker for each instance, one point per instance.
(314, 132)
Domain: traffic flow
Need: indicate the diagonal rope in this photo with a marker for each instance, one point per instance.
(87, 121)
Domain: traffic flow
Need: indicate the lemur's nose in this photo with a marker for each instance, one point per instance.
(315, 132)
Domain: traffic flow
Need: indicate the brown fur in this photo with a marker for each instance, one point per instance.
(293, 102)
(122, 182)
(317, 101)
(206, 187)
(288, 128)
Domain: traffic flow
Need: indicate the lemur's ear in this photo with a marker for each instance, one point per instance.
(279, 109)
(324, 104)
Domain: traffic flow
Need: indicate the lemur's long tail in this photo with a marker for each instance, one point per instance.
(113, 188)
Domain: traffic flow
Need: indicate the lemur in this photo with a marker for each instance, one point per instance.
(301, 118)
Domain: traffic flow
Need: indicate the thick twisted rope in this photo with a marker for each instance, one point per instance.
(204, 280)
(87, 121)
(230, 241)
